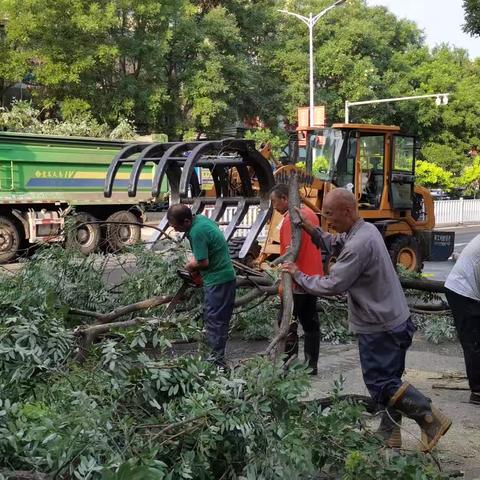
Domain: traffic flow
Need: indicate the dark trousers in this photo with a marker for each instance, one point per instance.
(382, 358)
(466, 315)
(305, 312)
(218, 303)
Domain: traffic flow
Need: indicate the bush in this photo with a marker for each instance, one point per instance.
(78, 121)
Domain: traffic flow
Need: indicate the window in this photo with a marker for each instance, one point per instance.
(403, 154)
(372, 152)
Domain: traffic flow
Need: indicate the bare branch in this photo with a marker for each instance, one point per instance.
(125, 310)
(287, 295)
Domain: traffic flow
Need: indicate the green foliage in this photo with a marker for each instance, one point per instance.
(278, 140)
(431, 175)
(333, 316)
(471, 177)
(472, 17)
(256, 321)
(191, 68)
(134, 410)
(436, 328)
(25, 118)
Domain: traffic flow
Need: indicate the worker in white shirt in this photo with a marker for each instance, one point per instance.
(463, 295)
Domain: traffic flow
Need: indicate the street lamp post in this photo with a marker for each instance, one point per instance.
(310, 21)
(440, 99)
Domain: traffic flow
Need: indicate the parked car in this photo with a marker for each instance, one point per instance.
(439, 194)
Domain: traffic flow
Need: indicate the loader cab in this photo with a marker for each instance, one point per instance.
(375, 162)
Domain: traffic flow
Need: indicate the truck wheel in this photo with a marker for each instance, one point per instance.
(121, 236)
(405, 250)
(9, 240)
(84, 236)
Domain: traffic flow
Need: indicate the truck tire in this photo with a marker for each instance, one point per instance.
(405, 250)
(84, 236)
(121, 236)
(9, 240)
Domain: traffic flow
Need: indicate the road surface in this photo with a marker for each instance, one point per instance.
(463, 235)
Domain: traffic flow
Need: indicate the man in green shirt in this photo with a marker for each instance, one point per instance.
(212, 261)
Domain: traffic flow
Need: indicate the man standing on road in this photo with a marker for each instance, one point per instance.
(463, 295)
(212, 261)
(378, 314)
(309, 261)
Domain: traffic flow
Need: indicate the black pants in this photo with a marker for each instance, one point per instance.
(466, 314)
(218, 303)
(305, 312)
(382, 358)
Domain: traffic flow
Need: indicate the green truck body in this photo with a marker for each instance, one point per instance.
(42, 177)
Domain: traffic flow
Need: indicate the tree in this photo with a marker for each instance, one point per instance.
(470, 178)
(432, 176)
(472, 17)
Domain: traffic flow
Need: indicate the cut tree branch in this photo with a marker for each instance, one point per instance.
(279, 342)
(122, 311)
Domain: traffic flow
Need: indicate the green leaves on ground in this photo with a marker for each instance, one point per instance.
(134, 409)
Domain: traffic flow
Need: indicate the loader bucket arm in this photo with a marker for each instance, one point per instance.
(181, 163)
(124, 157)
(153, 153)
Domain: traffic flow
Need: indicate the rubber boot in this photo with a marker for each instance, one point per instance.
(311, 350)
(433, 423)
(291, 344)
(389, 429)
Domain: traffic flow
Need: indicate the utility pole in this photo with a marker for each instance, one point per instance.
(310, 21)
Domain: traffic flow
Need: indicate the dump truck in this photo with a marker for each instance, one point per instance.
(375, 162)
(43, 178)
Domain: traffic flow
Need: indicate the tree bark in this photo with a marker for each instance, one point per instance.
(279, 342)
(433, 286)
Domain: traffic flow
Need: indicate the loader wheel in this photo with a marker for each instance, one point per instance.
(235, 245)
(84, 236)
(405, 250)
(9, 240)
(121, 236)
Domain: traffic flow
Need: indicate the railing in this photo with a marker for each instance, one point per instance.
(457, 212)
(447, 212)
(242, 229)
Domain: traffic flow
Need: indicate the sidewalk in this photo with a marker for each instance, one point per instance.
(460, 448)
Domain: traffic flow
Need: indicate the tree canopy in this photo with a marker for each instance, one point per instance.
(194, 67)
(472, 16)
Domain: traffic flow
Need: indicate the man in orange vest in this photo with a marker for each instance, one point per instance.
(309, 261)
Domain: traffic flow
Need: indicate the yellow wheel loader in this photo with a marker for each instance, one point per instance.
(230, 180)
(377, 164)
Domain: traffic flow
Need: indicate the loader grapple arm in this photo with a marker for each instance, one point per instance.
(242, 178)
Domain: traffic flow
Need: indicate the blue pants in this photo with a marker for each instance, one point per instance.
(218, 305)
(382, 358)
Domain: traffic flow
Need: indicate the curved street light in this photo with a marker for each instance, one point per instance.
(310, 21)
(440, 99)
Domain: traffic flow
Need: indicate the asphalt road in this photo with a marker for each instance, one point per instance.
(463, 235)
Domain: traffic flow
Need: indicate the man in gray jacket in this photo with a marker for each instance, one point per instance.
(377, 312)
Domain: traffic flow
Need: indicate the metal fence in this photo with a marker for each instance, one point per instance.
(457, 212)
(242, 229)
(447, 212)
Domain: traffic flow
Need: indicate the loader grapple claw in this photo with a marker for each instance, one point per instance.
(237, 176)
